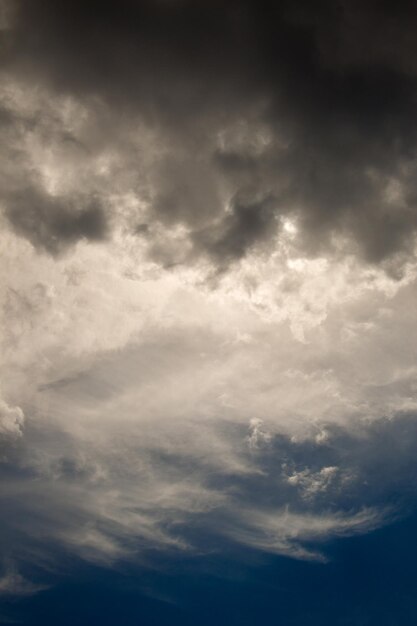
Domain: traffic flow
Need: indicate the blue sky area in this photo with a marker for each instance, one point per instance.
(369, 581)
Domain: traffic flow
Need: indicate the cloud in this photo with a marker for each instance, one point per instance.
(313, 482)
(234, 364)
(295, 119)
(108, 489)
(139, 386)
(52, 223)
(14, 584)
(247, 223)
(11, 421)
(280, 531)
(258, 436)
(144, 447)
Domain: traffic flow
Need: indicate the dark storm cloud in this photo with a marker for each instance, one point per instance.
(338, 83)
(53, 223)
(247, 223)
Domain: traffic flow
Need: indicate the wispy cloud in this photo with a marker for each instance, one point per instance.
(13, 584)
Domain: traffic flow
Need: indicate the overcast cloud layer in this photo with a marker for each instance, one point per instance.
(208, 276)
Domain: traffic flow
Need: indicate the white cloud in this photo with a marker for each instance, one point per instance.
(282, 531)
(312, 483)
(258, 436)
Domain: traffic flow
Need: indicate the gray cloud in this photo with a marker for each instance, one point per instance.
(54, 223)
(336, 105)
(249, 222)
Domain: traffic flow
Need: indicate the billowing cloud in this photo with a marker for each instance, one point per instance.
(287, 115)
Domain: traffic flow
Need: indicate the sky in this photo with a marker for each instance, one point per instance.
(208, 399)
